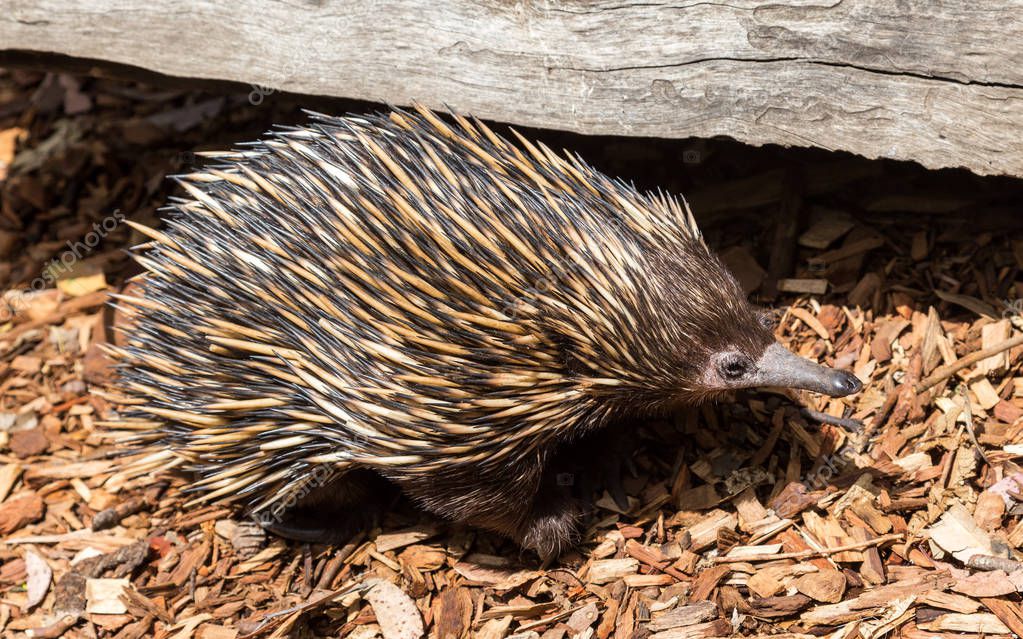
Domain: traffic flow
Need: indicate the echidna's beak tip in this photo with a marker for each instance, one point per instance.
(845, 383)
(779, 367)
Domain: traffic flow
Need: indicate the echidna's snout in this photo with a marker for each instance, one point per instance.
(780, 368)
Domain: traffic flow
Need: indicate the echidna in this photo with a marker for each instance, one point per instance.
(396, 296)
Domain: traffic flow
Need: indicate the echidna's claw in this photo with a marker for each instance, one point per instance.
(306, 534)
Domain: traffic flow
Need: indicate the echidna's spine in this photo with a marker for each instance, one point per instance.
(397, 293)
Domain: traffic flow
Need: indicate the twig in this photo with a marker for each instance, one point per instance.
(990, 562)
(803, 554)
(547, 620)
(294, 612)
(112, 516)
(571, 574)
(57, 628)
(648, 558)
(969, 424)
(944, 372)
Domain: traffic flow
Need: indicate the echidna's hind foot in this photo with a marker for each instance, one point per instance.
(552, 525)
(523, 501)
(334, 512)
(302, 529)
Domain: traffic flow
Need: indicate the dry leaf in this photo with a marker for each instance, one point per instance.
(956, 532)
(395, 611)
(39, 576)
(103, 596)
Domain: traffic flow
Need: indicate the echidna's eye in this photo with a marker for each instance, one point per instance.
(735, 366)
(766, 319)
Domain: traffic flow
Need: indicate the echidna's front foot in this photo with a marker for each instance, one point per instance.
(552, 527)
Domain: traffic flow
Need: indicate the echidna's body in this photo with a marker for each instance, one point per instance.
(428, 302)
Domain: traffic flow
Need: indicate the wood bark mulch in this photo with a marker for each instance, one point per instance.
(894, 512)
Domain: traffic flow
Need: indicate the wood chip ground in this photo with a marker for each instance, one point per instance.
(895, 512)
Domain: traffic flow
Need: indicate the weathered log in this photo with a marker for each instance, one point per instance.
(938, 82)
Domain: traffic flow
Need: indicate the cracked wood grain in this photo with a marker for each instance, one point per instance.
(935, 81)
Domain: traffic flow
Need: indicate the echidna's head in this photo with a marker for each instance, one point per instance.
(685, 332)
